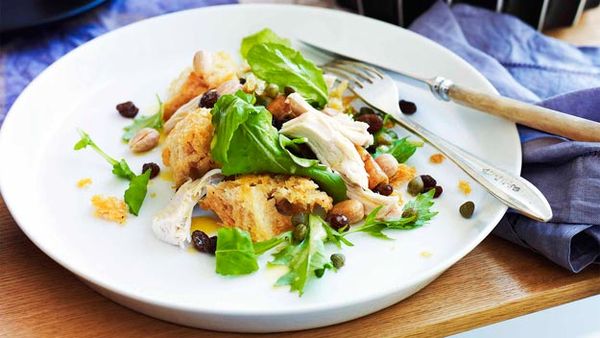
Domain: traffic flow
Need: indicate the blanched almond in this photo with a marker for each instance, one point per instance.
(352, 209)
(388, 164)
(145, 139)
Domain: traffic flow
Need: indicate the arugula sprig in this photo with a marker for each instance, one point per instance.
(149, 121)
(415, 214)
(138, 184)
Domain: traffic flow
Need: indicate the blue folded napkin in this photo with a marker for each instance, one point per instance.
(24, 55)
(526, 65)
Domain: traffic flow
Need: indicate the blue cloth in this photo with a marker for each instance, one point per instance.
(24, 56)
(524, 64)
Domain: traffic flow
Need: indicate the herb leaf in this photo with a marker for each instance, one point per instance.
(401, 149)
(235, 252)
(136, 192)
(150, 121)
(263, 36)
(258, 148)
(120, 168)
(264, 246)
(418, 212)
(305, 259)
(286, 67)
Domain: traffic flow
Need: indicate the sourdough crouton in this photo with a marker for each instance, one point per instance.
(187, 147)
(263, 204)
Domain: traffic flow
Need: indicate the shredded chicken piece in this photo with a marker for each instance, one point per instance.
(172, 223)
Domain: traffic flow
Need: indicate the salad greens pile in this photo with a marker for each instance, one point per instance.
(308, 259)
(138, 184)
(245, 142)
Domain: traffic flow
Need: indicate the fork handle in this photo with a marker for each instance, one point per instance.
(512, 190)
(544, 119)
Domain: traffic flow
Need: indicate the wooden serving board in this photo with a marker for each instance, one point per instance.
(497, 281)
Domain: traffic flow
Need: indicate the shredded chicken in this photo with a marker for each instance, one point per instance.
(172, 224)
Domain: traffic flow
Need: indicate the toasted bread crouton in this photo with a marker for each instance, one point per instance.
(262, 204)
(209, 71)
(187, 147)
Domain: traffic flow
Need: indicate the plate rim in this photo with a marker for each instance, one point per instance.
(426, 276)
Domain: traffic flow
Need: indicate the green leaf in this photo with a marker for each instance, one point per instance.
(150, 121)
(121, 169)
(286, 67)
(263, 36)
(235, 252)
(401, 149)
(258, 148)
(305, 259)
(420, 213)
(286, 143)
(136, 192)
(264, 246)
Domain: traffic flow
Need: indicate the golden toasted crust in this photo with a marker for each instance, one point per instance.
(186, 87)
(187, 147)
(251, 202)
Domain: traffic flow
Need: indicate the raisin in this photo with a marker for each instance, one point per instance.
(201, 241)
(209, 99)
(407, 107)
(438, 191)
(338, 221)
(154, 169)
(127, 109)
(373, 120)
(384, 189)
(428, 182)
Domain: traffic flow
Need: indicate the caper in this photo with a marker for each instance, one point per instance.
(319, 211)
(410, 212)
(338, 260)
(384, 137)
(415, 186)
(299, 233)
(466, 209)
(272, 90)
(299, 218)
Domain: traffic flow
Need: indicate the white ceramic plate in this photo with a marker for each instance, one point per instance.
(39, 170)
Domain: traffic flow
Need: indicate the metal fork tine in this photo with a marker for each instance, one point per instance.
(362, 66)
(344, 75)
(354, 70)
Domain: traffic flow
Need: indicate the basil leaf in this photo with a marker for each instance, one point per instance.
(136, 192)
(401, 149)
(235, 252)
(265, 35)
(257, 145)
(416, 213)
(150, 121)
(286, 67)
(305, 259)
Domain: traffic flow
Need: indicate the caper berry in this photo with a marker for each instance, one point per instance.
(299, 233)
(410, 212)
(299, 218)
(466, 209)
(337, 260)
(415, 186)
(272, 90)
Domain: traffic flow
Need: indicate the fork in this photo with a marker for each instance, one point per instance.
(380, 92)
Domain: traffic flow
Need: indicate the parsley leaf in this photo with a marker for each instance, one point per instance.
(136, 192)
(150, 121)
(235, 253)
(415, 214)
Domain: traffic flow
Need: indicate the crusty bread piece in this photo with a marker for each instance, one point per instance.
(187, 147)
(262, 204)
(209, 71)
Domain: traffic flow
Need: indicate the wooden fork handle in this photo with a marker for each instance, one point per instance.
(536, 117)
